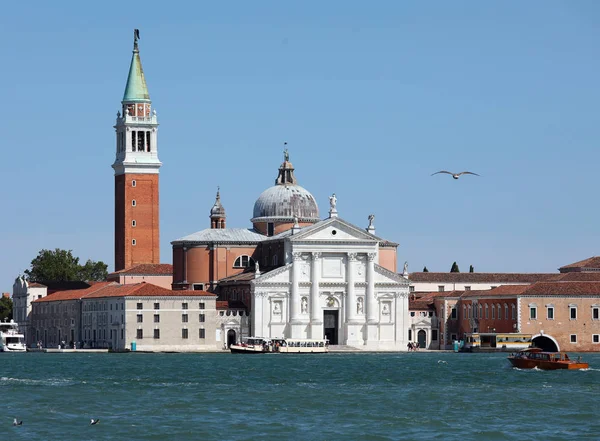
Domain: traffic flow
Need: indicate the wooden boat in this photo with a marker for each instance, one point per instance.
(536, 358)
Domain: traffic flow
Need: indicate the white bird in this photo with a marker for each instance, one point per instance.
(17, 423)
(456, 175)
(93, 421)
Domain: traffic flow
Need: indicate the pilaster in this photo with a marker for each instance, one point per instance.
(316, 314)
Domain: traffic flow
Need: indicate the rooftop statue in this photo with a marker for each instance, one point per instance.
(332, 201)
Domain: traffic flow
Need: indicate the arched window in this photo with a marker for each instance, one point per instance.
(487, 312)
(480, 311)
(465, 312)
(468, 311)
(514, 312)
(499, 312)
(505, 311)
(243, 261)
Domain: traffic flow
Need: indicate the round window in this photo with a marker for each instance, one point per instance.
(333, 232)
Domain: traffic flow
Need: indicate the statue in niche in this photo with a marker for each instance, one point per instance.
(304, 305)
(332, 201)
(360, 305)
(276, 308)
(386, 309)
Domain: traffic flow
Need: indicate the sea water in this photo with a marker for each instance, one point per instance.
(336, 396)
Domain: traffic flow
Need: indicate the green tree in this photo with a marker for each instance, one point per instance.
(60, 266)
(471, 269)
(454, 268)
(425, 270)
(6, 306)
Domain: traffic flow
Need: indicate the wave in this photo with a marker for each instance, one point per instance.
(43, 382)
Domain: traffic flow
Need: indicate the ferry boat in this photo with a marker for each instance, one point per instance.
(10, 338)
(536, 358)
(260, 345)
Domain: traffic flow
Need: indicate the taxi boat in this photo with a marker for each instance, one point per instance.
(251, 345)
(536, 358)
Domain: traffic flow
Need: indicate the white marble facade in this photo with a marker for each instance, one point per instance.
(332, 285)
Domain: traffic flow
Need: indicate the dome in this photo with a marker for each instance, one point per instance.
(284, 202)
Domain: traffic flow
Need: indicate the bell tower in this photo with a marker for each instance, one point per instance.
(136, 172)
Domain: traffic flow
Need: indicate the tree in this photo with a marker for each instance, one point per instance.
(454, 268)
(60, 266)
(6, 306)
(425, 270)
(471, 269)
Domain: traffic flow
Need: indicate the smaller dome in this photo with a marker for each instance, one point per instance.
(283, 203)
(217, 209)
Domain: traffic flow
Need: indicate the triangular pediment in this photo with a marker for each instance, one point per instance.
(334, 229)
(383, 275)
(279, 275)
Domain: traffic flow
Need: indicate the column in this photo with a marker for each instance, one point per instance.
(350, 294)
(315, 308)
(295, 294)
(371, 303)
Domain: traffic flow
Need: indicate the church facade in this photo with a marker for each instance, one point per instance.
(297, 275)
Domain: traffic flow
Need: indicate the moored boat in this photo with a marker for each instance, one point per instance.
(536, 358)
(10, 338)
(251, 345)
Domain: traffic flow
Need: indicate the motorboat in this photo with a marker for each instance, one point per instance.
(536, 358)
(10, 338)
(251, 345)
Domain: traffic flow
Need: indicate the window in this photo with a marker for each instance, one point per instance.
(184, 318)
(122, 334)
(573, 338)
(505, 311)
(133, 223)
(411, 288)
(453, 314)
(148, 141)
(140, 306)
(243, 262)
(202, 318)
(434, 334)
(133, 141)
(156, 318)
(493, 313)
(140, 334)
(499, 312)
(487, 312)
(595, 338)
(440, 288)
(202, 333)
(184, 306)
(465, 312)
(468, 311)
(573, 312)
(595, 313)
(514, 312)
(532, 313)
(275, 260)
(270, 229)
(133, 183)
(184, 333)
(157, 333)
(480, 311)
(133, 203)
(412, 313)
(157, 306)
(550, 313)
(140, 318)
(198, 286)
(453, 337)
(202, 305)
(133, 242)
(467, 288)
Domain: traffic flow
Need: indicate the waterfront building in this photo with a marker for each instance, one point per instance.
(297, 275)
(444, 282)
(136, 169)
(138, 316)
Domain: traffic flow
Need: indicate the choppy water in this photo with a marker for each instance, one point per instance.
(295, 397)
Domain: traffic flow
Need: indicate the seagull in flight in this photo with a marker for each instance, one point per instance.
(93, 422)
(17, 423)
(456, 175)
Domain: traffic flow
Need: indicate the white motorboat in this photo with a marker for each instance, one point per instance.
(10, 338)
(251, 345)
(260, 345)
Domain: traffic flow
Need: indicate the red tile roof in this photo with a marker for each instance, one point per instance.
(563, 289)
(504, 290)
(112, 289)
(147, 269)
(73, 294)
(480, 277)
(591, 262)
(577, 276)
(35, 285)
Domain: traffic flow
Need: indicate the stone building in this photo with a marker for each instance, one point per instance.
(157, 274)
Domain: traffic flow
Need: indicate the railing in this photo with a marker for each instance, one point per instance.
(137, 119)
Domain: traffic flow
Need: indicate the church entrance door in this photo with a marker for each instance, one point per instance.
(330, 326)
(422, 339)
(231, 338)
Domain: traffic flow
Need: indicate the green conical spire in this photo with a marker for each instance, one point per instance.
(136, 89)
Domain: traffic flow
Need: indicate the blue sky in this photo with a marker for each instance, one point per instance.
(372, 97)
